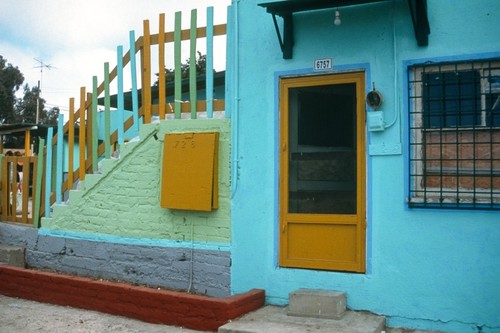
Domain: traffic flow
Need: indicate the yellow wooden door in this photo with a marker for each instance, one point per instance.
(322, 172)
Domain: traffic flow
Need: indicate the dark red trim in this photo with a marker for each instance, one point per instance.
(146, 304)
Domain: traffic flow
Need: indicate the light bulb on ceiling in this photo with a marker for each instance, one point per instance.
(337, 20)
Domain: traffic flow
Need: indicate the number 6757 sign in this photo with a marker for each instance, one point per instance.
(324, 64)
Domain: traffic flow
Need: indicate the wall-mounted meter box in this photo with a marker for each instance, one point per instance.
(190, 171)
(375, 121)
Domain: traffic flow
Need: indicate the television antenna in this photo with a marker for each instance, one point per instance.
(42, 65)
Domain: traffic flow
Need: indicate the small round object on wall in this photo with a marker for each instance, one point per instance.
(374, 99)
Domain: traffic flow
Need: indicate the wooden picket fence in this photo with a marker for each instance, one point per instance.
(18, 175)
(46, 180)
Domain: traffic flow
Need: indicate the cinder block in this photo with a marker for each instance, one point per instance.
(317, 303)
(12, 255)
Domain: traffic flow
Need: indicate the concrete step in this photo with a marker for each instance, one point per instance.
(275, 319)
(12, 255)
(317, 303)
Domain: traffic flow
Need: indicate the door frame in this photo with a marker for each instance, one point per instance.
(285, 83)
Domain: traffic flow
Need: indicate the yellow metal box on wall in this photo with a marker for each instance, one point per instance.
(190, 171)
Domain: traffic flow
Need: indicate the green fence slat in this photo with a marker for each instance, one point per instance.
(38, 184)
(192, 63)
(95, 142)
(133, 74)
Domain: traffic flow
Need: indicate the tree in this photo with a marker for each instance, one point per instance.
(25, 108)
(50, 117)
(201, 65)
(20, 110)
(11, 80)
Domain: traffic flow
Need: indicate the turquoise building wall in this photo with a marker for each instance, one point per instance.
(430, 269)
(131, 133)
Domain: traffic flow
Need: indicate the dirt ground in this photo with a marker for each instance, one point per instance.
(23, 316)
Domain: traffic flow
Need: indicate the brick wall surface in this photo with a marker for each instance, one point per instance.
(147, 304)
(463, 159)
(124, 200)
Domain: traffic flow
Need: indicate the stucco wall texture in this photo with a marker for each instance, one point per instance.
(430, 269)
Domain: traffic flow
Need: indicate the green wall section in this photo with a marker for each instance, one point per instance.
(124, 200)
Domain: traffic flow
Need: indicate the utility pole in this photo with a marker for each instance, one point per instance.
(38, 104)
(41, 65)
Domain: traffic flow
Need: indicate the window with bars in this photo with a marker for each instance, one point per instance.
(454, 134)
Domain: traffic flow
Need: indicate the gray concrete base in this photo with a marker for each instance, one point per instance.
(12, 255)
(275, 319)
(317, 303)
(201, 271)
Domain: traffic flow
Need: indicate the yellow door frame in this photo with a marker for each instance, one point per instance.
(356, 222)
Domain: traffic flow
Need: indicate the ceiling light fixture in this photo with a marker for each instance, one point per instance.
(337, 20)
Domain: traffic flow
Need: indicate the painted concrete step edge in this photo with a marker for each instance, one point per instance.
(275, 319)
(12, 255)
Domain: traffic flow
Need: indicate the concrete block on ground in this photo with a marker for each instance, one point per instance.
(12, 255)
(275, 319)
(317, 303)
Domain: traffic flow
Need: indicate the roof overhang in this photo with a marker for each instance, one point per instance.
(34, 129)
(286, 9)
(17, 128)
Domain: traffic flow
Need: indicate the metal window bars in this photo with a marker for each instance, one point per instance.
(454, 134)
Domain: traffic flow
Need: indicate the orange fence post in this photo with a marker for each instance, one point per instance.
(146, 73)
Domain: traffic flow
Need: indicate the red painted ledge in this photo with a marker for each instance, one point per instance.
(147, 304)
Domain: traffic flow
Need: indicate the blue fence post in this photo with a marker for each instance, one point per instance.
(133, 72)
(107, 111)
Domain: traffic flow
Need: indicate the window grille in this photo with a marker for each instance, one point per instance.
(454, 134)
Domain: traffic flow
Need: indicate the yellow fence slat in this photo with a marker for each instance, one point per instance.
(27, 142)
(219, 30)
(146, 73)
(88, 135)
(161, 67)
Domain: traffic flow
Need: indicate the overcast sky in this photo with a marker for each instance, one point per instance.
(75, 38)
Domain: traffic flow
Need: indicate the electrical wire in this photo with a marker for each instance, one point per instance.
(191, 273)
(394, 56)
